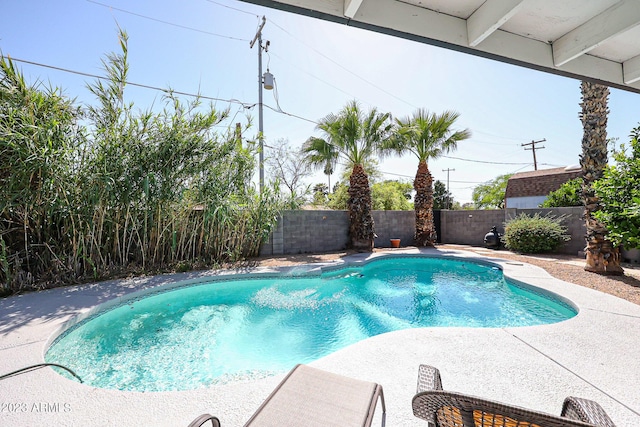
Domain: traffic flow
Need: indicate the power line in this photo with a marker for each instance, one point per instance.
(169, 91)
(167, 22)
(312, 75)
(483, 161)
(498, 136)
(396, 174)
(246, 105)
(410, 176)
(231, 120)
(290, 115)
(233, 8)
(342, 66)
(276, 96)
(491, 163)
(503, 144)
(518, 170)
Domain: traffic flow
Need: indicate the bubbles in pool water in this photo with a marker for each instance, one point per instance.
(273, 298)
(235, 330)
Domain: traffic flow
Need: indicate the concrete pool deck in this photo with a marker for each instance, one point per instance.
(595, 355)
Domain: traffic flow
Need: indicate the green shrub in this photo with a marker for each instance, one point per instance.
(619, 193)
(534, 234)
(569, 194)
(391, 196)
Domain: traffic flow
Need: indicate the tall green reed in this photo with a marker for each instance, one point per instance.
(127, 189)
(39, 136)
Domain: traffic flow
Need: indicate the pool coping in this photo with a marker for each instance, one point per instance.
(592, 355)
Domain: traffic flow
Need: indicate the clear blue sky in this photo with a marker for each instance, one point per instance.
(318, 66)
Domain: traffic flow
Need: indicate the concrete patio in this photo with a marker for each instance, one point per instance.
(593, 355)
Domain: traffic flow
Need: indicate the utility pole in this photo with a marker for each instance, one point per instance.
(258, 37)
(534, 148)
(448, 194)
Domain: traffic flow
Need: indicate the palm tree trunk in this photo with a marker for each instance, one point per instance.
(423, 205)
(359, 205)
(602, 256)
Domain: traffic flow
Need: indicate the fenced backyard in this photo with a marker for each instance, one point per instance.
(308, 231)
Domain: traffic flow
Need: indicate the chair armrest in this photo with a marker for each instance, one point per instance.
(428, 379)
(587, 411)
(199, 422)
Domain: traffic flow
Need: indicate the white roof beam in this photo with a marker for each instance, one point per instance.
(631, 69)
(617, 19)
(402, 19)
(351, 7)
(489, 17)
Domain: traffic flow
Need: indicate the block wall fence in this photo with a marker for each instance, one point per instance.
(303, 231)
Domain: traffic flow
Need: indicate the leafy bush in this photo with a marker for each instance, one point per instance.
(385, 196)
(491, 194)
(442, 199)
(569, 194)
(534, 234)
(391, 196)
(619, 193)
(338, 199)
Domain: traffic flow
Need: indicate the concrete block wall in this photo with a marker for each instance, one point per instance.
(302, 231)
(469, 227)
(325, 231)
(394, 225)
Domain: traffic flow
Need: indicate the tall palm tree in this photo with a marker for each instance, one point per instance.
(356, 136)
(428, 136)
(328, 170)
(602, 256)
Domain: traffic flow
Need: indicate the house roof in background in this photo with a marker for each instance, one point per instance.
(544, 172)
(539, 182)
(593, 40)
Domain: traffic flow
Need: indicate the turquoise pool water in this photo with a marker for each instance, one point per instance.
(228, 330)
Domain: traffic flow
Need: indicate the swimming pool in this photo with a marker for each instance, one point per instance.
(248, 327)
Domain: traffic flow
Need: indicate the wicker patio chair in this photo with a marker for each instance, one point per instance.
(312, 397)
(450, 409)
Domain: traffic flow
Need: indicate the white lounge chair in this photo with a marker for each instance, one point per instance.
(312, 397)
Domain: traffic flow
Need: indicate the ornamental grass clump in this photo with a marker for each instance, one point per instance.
(534, 234)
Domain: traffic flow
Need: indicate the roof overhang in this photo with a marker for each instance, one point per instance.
(596, 40)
